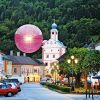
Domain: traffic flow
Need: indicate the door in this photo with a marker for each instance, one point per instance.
(33, 79)
(3, 89)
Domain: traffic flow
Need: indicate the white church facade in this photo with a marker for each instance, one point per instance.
(52, 49)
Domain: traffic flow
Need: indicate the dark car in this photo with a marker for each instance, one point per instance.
(6, 90)
(11, 81)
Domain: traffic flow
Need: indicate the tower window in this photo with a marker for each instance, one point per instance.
(47, 56)
(53, 56)
(52, 32)
(56, 33)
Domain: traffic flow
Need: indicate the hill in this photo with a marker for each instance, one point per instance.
(78, 20)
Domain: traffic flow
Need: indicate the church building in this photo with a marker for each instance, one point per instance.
(52, 49)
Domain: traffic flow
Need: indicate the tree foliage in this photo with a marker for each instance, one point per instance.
(78, 20)
(88, 60)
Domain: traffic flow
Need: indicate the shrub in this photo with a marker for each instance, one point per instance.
(57, 87)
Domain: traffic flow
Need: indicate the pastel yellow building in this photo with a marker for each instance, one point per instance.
(31, 70)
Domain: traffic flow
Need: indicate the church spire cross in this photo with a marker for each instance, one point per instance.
(54, 20)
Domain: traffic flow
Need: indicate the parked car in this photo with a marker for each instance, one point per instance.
(1, 83)
(46, 80)
(14, 85)
(6, 90)
(64, 81)
(11, 81)
(50, 80)
(14, 81)
(20, 78)
(18, 87)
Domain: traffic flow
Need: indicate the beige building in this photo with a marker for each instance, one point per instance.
(31, 70)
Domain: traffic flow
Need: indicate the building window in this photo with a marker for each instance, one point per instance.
(38, 71)
(35, 70)
(53, 56)
(56, 33)
(22, 71)
(47, 56)
(15, 70)
(32, 70)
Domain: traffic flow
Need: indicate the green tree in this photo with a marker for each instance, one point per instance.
(87, 61)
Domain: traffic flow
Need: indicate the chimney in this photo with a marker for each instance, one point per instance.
(11, 52)
(24, 54)
(18, 53)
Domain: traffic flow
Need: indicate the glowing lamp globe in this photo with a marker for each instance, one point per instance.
(28, 38)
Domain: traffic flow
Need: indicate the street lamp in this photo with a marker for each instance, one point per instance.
(72, 61)
(55, 68)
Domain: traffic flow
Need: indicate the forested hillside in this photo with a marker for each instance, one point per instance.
(78, 20)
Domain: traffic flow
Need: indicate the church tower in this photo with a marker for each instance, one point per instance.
(54, 32)
(52, 49)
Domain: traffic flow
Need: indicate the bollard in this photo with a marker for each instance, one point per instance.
(86, 94)
(92, 95)
(89, 93)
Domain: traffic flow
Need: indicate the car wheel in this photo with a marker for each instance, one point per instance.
(9, 94)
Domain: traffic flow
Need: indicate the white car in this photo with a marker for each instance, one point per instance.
(46, 80)
(20, 78)
(1, 83)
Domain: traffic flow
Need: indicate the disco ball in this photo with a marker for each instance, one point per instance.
(28, 38)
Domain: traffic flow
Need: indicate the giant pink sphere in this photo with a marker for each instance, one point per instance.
(28, 38)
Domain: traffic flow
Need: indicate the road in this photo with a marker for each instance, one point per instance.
(34, 91)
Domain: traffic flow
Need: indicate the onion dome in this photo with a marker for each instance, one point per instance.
(54, 26)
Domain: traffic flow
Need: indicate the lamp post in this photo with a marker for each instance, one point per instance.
(72, 61)
(55, 68)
